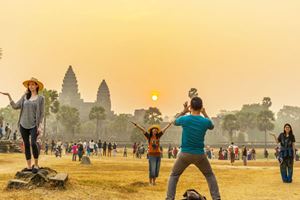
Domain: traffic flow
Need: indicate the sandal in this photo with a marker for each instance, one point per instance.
(27, 170)
(35, 169)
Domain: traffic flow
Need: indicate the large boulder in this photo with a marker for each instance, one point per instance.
(45, 177)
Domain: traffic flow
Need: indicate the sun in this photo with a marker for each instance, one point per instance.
(154, 97)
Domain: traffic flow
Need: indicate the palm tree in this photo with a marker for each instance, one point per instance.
(97, 113)
(266, 102)
(230, 124)
(153, 116)
(193, 93)
(265, 123)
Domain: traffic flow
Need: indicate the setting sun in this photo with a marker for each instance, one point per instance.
(154, 97)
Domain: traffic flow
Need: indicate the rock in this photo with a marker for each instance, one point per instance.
(45, 177)
(10, 146)
(85, 160)
(59, 180)
(16, 184)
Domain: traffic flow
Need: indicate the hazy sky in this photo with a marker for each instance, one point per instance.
(233, 51)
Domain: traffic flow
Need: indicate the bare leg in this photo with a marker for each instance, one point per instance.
(29, 164)
(36, 162)
(154, 181)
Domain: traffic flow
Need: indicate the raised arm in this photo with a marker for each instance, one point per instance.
(12, 103)
(276, 139)
(166, 127)
(139, 127)
(294, 150)
(186, 109)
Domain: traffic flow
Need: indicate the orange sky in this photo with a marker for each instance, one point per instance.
(234, 52)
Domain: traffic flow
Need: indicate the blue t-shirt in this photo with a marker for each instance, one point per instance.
(193, 133)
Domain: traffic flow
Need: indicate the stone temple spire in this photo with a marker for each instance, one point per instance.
(70, 94)
(103, 96)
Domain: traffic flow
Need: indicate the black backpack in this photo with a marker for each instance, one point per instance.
(192, 194)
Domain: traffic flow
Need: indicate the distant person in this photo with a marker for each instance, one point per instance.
(100, 148)
(46, 147)
(74, 151)
(231, 153)
(80, 150)
(175, 152)
(104, 148)
(15, 135)
(192, 148)
(287, 152)
(153, 136)
(92, 147)
(134, 149)
(244, 155)
(266, 154)
(253, 152)
(141, 151)
(221, 154)
(114, 149)
(170, 151)
(31, 106)
(125, 151)
(109, 148)
(52, 146)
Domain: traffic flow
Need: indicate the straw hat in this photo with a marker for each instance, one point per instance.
(154, 126)
(40, 84)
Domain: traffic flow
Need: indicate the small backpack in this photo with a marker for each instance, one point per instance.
(192, 194)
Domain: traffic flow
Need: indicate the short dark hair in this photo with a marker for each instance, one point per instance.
(196, 103)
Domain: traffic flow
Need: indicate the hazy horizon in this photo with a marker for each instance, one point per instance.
(233, 52)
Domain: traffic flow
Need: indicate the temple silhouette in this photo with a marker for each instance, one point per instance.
(70, 96)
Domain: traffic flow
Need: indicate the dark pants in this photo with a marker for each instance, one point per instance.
(182, 162)
(286, 170)
(25, 135)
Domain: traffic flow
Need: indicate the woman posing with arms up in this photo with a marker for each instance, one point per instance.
(31, 117)
(153, 136)
(287, 153)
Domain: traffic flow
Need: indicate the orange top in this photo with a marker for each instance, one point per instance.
(153, 143)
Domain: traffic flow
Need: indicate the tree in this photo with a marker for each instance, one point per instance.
(265, 123)
(69, 118)
(153, 116)
(120, 126)
(51, 105)
(10, 115)
(230, 124)
(246, 120)
(266, 102)
(137, 136)
(97, 113)
(288, 114)
(193, 93)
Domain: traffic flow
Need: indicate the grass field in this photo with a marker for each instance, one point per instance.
(127, 178)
